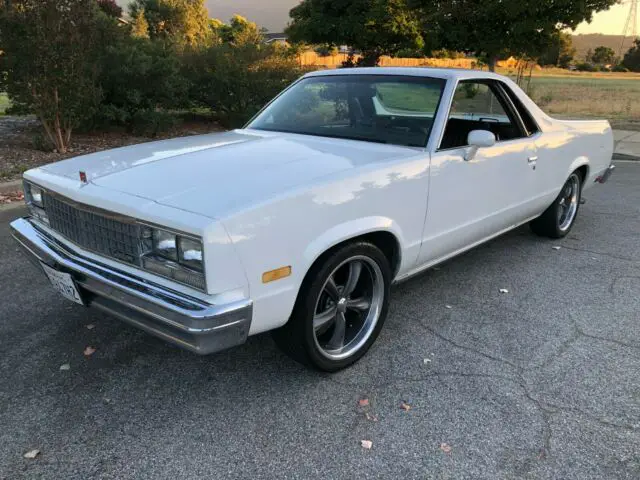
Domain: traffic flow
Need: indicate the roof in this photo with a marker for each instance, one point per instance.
(446, 73)
(275, 36)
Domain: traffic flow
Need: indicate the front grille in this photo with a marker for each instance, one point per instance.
(93, 231)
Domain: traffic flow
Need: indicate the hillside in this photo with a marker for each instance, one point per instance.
(590, 41)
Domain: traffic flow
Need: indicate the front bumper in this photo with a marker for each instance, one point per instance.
(173, 316)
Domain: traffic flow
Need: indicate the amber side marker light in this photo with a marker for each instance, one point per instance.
(276, 274)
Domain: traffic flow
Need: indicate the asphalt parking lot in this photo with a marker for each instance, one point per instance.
(539, 382)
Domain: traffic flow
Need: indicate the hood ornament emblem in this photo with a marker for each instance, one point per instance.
(83, 176)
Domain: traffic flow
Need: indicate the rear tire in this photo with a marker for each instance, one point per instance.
(558, 219)
(340, 309)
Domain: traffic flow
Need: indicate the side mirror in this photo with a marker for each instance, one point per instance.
(478, 139)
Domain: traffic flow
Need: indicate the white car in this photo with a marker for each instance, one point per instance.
(299, 223)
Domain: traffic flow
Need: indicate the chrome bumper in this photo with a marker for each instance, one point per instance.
(604, 176)
(177, 318)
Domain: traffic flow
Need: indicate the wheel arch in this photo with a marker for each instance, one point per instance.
(381, 232)
(580, 164)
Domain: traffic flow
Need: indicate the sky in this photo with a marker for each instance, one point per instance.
(610, 22)
(274, 14)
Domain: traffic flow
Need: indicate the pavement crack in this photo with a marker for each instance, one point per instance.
(604, 254)
(469, 349)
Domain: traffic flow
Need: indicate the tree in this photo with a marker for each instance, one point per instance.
(374, 27)
(51, 61)
(239, 31)
(110, 8)
(140, 26)
(236, 81)
(632, 57)
(496, 28)
(603, 56)
(183, 22)
(560, 53)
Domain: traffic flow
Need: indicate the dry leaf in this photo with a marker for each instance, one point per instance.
(65, 366)
(363, 402)
(445, 447)
(405, 406)
(366, 444)
(91, 326)
(371, 417)
(89, 351)
(32, 453)
(504, 290)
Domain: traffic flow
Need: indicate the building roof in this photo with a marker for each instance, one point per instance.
(275, 36)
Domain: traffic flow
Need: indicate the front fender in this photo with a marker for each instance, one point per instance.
(348, 230)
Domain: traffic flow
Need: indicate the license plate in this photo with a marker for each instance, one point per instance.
(63, 283)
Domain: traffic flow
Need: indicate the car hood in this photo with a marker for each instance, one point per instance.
(215, 173)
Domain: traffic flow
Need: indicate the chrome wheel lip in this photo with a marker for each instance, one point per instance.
(568, 207)
(372, 315)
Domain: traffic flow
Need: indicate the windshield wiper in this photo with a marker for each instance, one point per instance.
(314, 134)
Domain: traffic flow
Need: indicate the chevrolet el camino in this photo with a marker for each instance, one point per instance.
(348, 181)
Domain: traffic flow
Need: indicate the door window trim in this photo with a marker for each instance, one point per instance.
(509, 93)
(505, 103)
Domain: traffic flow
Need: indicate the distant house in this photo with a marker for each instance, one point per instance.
(510, 62)
(276, 38)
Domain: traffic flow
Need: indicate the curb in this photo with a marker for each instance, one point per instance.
(10, 187)
(7, 207)
(624, 156)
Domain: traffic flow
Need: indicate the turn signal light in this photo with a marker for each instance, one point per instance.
(276, 274)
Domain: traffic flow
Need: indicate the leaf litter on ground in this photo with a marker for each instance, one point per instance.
(31, 454)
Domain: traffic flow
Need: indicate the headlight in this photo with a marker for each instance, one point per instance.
(33, 195)
(190, 253)
(36, 196)
(175, 256)
(165, 244)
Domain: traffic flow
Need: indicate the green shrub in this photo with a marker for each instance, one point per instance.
(42, 143)
(235, 82)
(326, 50)
(151, 123)
(586, 67)
(139, 75)
(620, 69)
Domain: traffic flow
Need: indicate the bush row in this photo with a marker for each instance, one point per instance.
(99, 73)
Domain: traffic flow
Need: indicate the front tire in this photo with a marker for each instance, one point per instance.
(558, 219)
(340, 309)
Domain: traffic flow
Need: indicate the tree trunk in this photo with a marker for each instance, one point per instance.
(61, 145)
(492, 61)
(369, 59)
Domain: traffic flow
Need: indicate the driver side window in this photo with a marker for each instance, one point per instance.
(478, 106)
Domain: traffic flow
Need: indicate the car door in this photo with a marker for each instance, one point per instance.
(472, 200)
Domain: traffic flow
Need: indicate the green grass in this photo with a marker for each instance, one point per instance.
(4, 103)
(588, 97)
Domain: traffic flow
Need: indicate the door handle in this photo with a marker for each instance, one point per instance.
(533, 159)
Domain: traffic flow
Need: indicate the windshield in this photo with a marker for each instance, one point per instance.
(376, 108)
